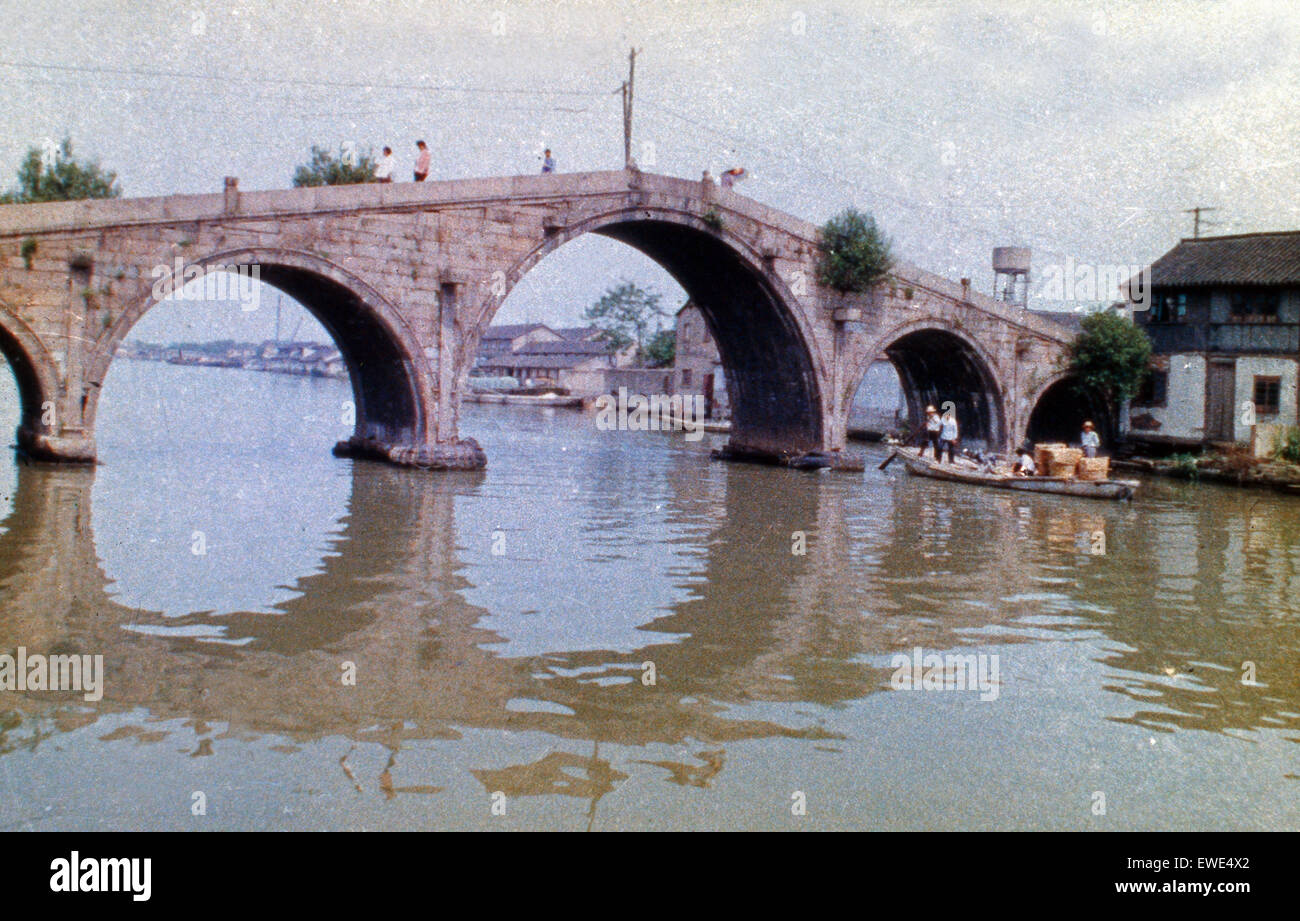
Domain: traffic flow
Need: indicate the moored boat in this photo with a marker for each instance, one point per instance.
(1061, 486)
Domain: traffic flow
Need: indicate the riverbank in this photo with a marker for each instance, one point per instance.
(1231, 469)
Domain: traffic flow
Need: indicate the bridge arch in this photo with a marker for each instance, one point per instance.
(937, 362)
(774, 370)
(390, 381)
(1056, 411)
(33, 369)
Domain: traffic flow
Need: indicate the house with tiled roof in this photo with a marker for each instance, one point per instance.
(1223, 315)
(497, 340)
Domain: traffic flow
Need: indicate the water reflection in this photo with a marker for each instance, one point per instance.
(749, 638)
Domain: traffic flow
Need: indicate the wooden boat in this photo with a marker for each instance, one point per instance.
(1060, 486)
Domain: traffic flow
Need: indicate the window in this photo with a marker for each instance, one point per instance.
(1254, 304)
(1268, 395)
(1169, 308)
(1155, 390)
(686, 377)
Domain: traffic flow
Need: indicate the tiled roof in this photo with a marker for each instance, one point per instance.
(564, 348)
(1071, 320)
(1247, 259)
(576, 332)
(511, 331)
(520, 360)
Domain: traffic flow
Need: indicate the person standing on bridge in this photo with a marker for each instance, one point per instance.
(948, 434)
(422, 162)
(548, 162)
(732, 176)
(385, 167)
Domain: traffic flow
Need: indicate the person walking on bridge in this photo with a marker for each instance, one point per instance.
(548, 162)
(948, 434)
(422, 161)
(385, 167)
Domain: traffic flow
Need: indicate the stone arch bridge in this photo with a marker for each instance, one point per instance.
(407, 276)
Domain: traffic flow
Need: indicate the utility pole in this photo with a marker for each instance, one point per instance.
(628, 86)
(1196, 219)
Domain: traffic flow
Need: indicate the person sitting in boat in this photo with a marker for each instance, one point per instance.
(1024, 465)
(1090, 440)
(933, 428)
(948, 434)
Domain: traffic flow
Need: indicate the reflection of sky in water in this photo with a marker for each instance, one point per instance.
(233, 463)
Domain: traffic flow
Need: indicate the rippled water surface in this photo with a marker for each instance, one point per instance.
(226, 566)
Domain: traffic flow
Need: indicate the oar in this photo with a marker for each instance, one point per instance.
(888, 460)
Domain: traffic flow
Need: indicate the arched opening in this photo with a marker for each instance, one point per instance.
(771, 382)
(1061, 411)
(365, 334)
(21, 389)
(879, 405)
(936, 366)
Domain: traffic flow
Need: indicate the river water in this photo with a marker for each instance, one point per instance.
(608, 630)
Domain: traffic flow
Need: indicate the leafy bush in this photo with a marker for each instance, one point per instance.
(1288, 446)
(1186, 465)
(327, 169)
(855, 252)
(59, 176)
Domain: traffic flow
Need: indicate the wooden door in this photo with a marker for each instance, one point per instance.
(1220, 399)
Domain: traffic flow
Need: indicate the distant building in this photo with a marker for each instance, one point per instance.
(499, 340)
(547, 361)
(1224, 322)
(697, 366)
(579, 333)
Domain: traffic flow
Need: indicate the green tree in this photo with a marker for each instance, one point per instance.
(855, 252)
(1109, 359)
(326, 169)
(661, 349)
(56, 175)
(626, 314)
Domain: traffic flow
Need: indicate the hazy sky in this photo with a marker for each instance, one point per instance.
(1081, 129)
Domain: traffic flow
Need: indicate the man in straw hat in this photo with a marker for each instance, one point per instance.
(1090, 440)
(933, 426)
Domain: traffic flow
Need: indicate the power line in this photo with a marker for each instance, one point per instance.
(290, 81)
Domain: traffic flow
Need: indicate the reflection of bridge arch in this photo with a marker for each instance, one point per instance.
(763, 335)
(390, 388)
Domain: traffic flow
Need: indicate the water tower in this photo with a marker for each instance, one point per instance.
(1011, 274)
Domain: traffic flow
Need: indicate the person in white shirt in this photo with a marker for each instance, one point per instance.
(933, 425)
(1090, 440)
(948, 434)
(1024, 465)
(386, 166)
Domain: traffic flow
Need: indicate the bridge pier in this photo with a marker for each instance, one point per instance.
(463, 454)
(68, 447)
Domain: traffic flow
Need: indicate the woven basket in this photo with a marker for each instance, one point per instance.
(1094, 468)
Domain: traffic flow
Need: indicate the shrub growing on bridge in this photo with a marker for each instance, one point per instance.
(855, 252)
(326, 169)
(56, 175)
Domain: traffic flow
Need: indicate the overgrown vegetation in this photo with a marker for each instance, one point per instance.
(56, 175)
(1109, 359)
(27, 251)
(661, 349)
(1288, 446)
(1186, 465)
(856, 254)
(327, 169)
